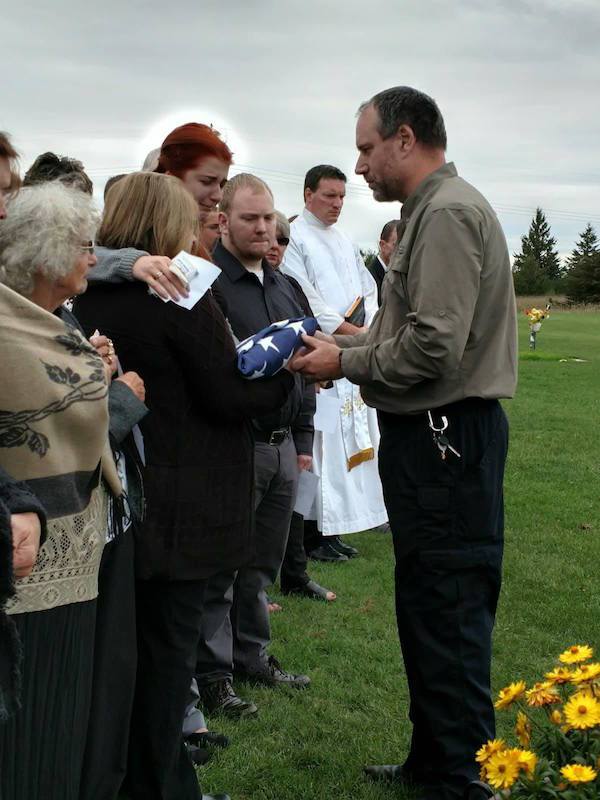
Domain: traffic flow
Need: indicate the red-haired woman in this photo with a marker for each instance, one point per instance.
(196, 155)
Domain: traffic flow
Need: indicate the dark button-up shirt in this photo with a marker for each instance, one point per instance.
(446, 329)
(250, 305)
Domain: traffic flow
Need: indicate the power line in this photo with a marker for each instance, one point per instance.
(352, 189)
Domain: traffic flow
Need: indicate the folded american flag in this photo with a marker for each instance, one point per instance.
(269, 350)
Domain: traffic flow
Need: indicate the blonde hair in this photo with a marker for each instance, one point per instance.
(242, 181)
(150, 212)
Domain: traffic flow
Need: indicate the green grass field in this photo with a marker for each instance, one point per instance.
(310, 745)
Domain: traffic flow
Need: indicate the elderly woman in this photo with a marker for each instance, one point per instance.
(199, 465)
(53, 436)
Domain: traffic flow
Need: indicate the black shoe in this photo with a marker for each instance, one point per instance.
(326, 553)
(385, 528)
(309, 589)
(220, 698)
(274, 675)
(197, 755)
(391, 773)
(342, 547)
(477, 790)
(208, 739)
(216, 797)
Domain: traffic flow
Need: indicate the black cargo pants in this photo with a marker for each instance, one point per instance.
(447, 520)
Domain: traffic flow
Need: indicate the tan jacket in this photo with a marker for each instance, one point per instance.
(446, 328)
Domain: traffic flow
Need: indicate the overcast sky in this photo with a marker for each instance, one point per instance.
(517, 82)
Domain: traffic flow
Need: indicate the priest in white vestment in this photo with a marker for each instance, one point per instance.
(333, 276)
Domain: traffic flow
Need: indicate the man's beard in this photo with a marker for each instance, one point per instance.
(243, 250)
(385, 192)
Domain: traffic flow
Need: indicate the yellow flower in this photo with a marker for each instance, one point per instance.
(487, 751)
(502, 770)
(585, 673)
(577, 773)
(556, 717)
(509, 694)
(582, 711)
(527, 760)
(523, 729)
(576, 654)
(559, 675)
(542, 694)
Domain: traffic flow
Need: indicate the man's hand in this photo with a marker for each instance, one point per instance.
(304, 462)
(348, 329)
(318, 360)
(26, 532)
(135, 383)
(154, 270)
(324, 337)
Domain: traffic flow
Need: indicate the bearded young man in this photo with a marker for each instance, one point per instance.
(236, 631)
(441, 352)
(332, 274)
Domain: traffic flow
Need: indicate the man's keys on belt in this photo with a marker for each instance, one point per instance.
(443, 444)
(440, 438)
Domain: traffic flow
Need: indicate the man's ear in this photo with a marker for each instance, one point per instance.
(308, 193)
(405, 137)
(223, 223)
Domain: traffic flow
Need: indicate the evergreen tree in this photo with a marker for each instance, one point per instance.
(583, 280)
(529, 278)
(586, 246)
(368, 256)
(542, 246)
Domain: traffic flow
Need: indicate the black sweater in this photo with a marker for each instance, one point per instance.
(198, 443)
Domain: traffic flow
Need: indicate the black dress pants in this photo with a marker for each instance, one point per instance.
(447, 520)
(115, 661)
(293, 570)
(169, 617)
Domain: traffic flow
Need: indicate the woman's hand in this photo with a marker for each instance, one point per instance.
(106, 350)
(135, 383)
(154, 270)
(26, 530)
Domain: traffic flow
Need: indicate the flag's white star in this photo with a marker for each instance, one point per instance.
(297, 326)
(245, 346)
(267, 344)
(259, 373)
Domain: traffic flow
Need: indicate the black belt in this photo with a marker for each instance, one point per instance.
(468, 404)
(271, 437)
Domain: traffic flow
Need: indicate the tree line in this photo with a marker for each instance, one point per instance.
(537, 269)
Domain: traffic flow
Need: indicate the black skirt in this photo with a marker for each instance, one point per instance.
(42, 747)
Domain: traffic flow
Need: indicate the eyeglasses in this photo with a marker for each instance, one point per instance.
(88, 247)
(283, 241)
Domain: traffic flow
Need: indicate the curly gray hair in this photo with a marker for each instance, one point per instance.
(43, 233)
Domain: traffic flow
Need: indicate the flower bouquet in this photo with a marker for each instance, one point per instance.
(560, 717)
(535, 316)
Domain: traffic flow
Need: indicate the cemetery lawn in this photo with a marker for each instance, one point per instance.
(311, 744)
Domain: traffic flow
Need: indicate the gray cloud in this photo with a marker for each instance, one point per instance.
(516, 81)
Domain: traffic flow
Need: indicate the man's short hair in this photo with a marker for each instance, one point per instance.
(315, 174)
(388, 228)
(402, 105)
(50, 167)
(242, 181)
(111, 182)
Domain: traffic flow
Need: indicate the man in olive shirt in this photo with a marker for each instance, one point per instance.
(441, 351)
